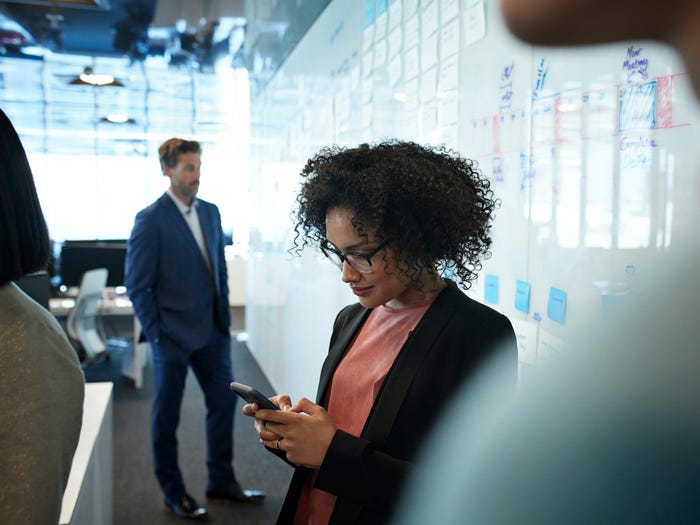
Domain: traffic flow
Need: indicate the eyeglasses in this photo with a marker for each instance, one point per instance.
(361, 262)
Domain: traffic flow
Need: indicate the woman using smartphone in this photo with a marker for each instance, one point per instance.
(393, 217)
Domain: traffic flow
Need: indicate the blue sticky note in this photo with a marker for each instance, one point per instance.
(522, 296)
(491, 289)
(556, 305)
(369, 13)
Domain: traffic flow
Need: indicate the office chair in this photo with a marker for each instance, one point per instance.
(81, 324)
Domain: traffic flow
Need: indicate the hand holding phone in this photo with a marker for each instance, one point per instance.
(252, 395)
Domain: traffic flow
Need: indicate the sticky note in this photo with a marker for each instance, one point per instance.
(556, 305)
(522, 296)
(369, 13)
(491, 289)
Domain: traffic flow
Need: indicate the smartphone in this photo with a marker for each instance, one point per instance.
(253, 396)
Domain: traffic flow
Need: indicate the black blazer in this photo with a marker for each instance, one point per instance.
(366, 473)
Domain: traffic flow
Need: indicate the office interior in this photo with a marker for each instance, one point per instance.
(590, 151)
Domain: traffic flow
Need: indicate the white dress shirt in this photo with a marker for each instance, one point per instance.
(189, 213)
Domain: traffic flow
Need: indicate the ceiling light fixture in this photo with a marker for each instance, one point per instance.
(87, 77)
(118, 118)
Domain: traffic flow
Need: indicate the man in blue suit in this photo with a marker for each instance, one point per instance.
(176, 279)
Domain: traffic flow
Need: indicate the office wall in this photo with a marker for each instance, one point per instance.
(591, 151)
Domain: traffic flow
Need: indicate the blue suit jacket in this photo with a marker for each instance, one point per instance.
(167, 279)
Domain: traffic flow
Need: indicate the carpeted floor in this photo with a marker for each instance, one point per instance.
(137, 497)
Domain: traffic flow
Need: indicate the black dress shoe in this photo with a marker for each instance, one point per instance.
(234, 494)
(186, 507)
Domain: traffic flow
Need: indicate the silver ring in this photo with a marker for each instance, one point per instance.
(278, 444)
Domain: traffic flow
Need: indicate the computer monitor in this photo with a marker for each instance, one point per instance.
(37, 286)
(77, 257)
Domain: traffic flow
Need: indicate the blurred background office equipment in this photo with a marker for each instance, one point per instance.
(37, 286)
(82, 324)
(95, 319)
(78, 257)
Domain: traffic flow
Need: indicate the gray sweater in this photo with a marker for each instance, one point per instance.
(41, 407)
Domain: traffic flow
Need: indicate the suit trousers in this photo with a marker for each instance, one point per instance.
(212, 368)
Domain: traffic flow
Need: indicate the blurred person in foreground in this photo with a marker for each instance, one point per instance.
(391, 216)
(41, 382)
(610, 433)
(176, 278)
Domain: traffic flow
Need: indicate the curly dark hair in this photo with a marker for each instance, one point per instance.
(434, 207)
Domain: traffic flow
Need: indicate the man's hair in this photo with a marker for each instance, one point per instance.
(169, 152)
(24, 237)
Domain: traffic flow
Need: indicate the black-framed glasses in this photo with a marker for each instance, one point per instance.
(361, 262)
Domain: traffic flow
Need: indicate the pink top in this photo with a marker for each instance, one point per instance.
(354, 387)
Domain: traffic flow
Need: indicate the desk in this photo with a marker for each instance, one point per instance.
(88, 495)
(135, 356)
(120, 305)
